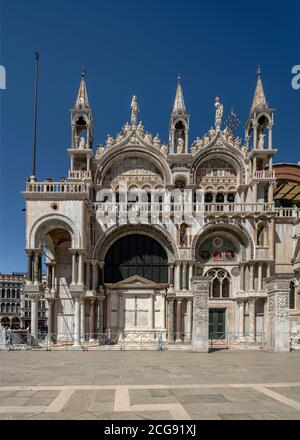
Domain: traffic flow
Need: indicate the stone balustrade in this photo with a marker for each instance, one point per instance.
(80, 174)
(55, 187)
(207, 209)
(264, 174)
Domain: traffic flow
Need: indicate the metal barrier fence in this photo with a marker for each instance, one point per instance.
(127, 340)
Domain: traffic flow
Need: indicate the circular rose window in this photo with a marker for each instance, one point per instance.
(217, 242)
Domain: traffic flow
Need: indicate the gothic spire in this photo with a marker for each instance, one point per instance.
(82, 98)
(259, 99)
(179, 105)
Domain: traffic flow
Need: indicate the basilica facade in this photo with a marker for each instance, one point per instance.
(185, 239)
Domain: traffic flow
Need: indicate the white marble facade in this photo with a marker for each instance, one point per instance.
(244, 248)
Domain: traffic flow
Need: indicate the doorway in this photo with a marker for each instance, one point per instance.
(217, 326)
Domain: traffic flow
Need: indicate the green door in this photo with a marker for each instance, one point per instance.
(217, 323)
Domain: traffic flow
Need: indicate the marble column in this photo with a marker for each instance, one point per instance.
(201, 286)
(178, 318)
(88, 275)
(120, 314)
(49, 319)
(34, 315)
(177, 277)
(171, 317)
(151, 311)
(95, 275)
(82, 318)
(191, 273)
(36, 269)
(80, 268)
(242, 278)
(184, 276)
(77, 322)
(252, 316)
(270, 193)
(259, 278)
(108, 310)
(270, 146)
(188, 330)
(241, 317)
(53, 284)
(74, 267)
(29, 266)
(251, 277)
(92, 319)
(278, 312)
(100, 321)
(254, 193)
(171, 275)
(163, 299)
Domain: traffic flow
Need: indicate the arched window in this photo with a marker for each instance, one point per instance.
(292, 295)
(260, 234)
(230, 198)
(13, 293)
(136, 255)
(183, 235)
(18, 293)
(2, 308)
(208, 198)
(18, 308)
(3, 293)
(220, 198)
(13, 308)
(220, 285)
(7, 308)
(8, 293)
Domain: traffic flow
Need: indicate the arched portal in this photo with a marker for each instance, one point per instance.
(135, 283)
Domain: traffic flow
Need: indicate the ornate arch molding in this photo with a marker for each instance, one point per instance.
(227, 153)
(116, 232)
(49, 222)
(234, 228)
(152, 154)
(265, 114)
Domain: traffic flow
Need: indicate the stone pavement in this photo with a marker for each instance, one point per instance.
(149, 385)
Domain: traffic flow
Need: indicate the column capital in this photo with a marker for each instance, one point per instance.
(29, 252)
(94, 262)
(37, 252)
(279, 283)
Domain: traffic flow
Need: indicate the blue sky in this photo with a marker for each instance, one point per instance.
(134, 47)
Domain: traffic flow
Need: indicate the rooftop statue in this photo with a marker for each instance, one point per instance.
(211, 133)
(126, 128)
(109, 141)
(119, 138)
(156, 141)
(134, 110)
(261, 142)
(82, 143)
(140, 128)
(148, 137)
(164, 149)
(180, 146)
(219, 113)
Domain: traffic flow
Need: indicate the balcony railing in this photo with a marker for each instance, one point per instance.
(264, 174)
(193, 208)
(80, 174)
(55, 187)
(106, 208)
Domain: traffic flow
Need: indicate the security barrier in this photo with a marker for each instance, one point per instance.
(128, 340)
